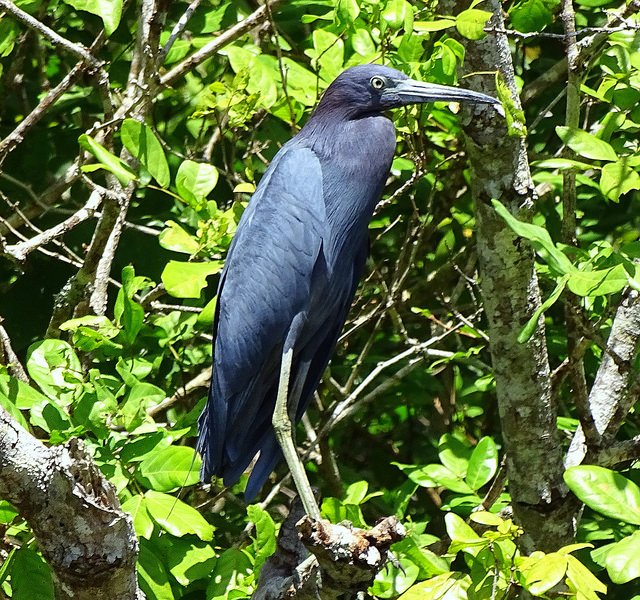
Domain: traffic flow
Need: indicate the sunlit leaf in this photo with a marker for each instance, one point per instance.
(448, 586)
(169, 469)
(606, 492)
(176, 517)
(586, 144)
(483, 463)
(187, 280)
(617, 179)
(470, 23)
(142, 522)
(110, 11)
(144, 145)
(152, 575)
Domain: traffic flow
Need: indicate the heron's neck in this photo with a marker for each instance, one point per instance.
(360, 142)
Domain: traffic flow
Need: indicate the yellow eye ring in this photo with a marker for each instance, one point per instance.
(377, 83)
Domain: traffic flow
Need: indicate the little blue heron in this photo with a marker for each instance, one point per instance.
(292, 271)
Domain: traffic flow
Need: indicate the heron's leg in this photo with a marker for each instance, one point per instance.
(284, 431)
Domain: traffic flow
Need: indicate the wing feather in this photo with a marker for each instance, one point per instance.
(266, 282)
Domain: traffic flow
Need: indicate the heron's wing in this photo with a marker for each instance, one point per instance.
(266, 282)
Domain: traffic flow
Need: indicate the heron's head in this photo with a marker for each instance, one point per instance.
(368, 89)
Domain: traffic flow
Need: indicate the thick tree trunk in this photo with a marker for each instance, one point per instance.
(511, 295)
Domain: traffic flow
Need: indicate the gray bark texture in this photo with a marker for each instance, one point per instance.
(511, 295)
(75, 515)
(611, 396)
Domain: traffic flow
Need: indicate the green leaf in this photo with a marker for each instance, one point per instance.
(145, 146)
(231, 570)
(187, 280)
(395, 579)
(128, 313)
(539, 238)
(141, 397)
(356, 493)
(55, 367)
(583, 580)
(205, 318)
(561, 163)
(169, 469)
(7, 512)
(348, 10)
(176, 517)
(429, 26)
(606, 492)
(462, 536)
(454, 454)
(513, 113)
(600, 282)
(328, 53)
(361, 42)
(623, 559)
(175, 238)
(486, 518)
(470, 23)
(195, 181)
(152, 575)
(529, 329)
(617, 179)
(585, 144)
(448, 586)
(395, 12)
(483, 463)
(440, 475)
(264, 541)
(110, 11)
(30, 576)
(531, 15)
(545, 573)
(142, 523)
(190, 560)
(107, 160)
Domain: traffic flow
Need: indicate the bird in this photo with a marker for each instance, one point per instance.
(292, 270)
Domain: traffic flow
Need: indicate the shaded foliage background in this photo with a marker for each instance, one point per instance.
(409, 399)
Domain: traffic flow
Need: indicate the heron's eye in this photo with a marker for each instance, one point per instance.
(377, 83)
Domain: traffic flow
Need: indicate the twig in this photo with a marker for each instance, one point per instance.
(611, 396)
(12, 140)
(177, 30)
(10, 359)
(572, 303)
(423, 349)
(23, 249)
(199, 381)
(55, 38)
(283, 74)
(588, 47)
(618, 453)
(226, 37)
(562, 36)
(497, 486)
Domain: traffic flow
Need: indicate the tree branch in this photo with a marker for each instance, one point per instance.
(21, 250)
(225, 38)
(74, 513)
(611, 399)
(55, 38)
(343, 561)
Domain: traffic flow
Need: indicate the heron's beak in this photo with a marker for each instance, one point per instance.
(411, 91)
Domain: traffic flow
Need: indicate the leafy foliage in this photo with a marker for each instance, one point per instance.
(425, 444)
